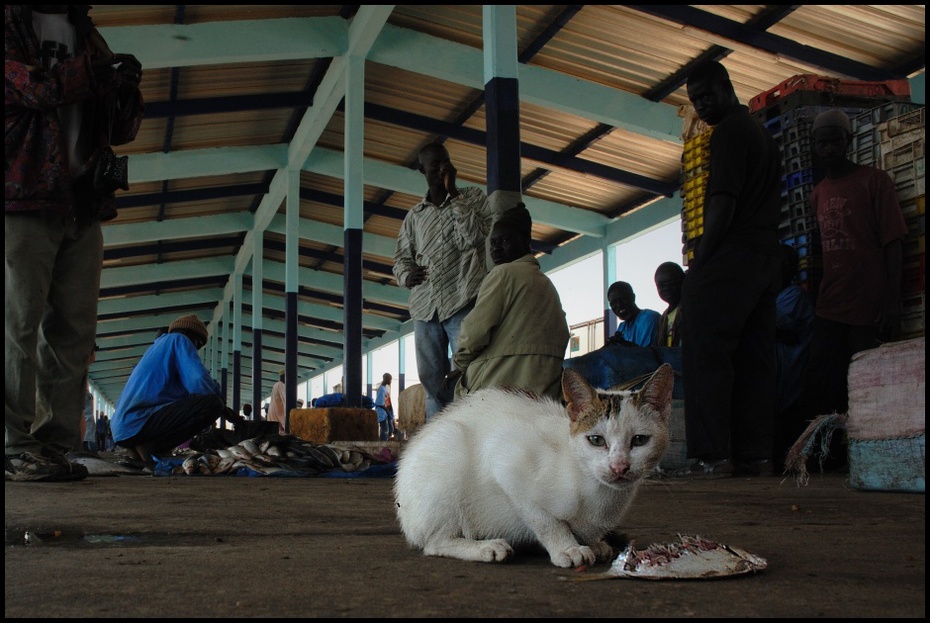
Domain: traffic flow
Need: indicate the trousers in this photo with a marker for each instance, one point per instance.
(433, 340)
(728, 355)
(52, 286)
(171, 426)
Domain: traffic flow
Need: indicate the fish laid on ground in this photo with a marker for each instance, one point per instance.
(97, 466)
(251, 447)
(692, 557)
(272, 454)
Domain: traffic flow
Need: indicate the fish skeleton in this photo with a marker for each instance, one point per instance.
(692, 557)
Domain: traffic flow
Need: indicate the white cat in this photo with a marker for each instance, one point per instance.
(498, 469)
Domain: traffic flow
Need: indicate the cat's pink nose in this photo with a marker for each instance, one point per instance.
(619, 469)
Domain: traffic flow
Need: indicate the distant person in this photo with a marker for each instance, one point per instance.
(67, 99)
(669, 278)
(794, 328)
(170, 396)
(440, 258)
(384, 409)
(859, 301)
(89, 443)
(637, 326)
(247, 411)
(516, 334)
(103, 433)
(728, 297)
(276, 407)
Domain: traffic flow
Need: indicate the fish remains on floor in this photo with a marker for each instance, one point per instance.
(692, 557)
(499, 469)
(272, 454)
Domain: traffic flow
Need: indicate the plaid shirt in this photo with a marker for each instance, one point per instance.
(449, 240)
(36, 160)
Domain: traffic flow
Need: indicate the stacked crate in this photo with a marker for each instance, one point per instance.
(694, 171)
(901, 149)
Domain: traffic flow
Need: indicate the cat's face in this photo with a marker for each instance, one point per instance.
(620, 435)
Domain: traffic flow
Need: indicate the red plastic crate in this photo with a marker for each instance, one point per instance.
(826, 84)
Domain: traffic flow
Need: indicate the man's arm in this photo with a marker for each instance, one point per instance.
(472, 218)
(718, 214)
(194, 375)
(407, 272)
(479, 325)
(33, 87)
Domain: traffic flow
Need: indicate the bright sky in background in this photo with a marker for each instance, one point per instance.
(581, 285)
(581, 288)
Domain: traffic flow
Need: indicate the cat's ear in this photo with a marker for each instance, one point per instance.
(657, 392)
(577, 392)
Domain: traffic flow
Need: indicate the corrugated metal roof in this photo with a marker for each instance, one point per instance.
(600, 122)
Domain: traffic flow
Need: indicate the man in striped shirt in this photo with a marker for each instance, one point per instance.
(441, 259)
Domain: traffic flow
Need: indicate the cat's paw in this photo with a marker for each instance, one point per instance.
(495, 550)
(602, 550)
(574, 557)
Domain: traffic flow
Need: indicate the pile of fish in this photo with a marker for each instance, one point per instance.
(272, 454)
(692, 557)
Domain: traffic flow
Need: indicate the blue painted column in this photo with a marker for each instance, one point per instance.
(258, 265)
(292, 244)
(224, 353)
(354, 125)
(369, 376)
(401, 364)
(213, 362)
(237, 341)
(502, 101)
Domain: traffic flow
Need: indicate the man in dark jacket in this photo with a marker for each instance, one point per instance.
(728, 297)
(67, 97)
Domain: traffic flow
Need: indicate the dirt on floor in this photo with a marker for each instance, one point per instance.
(227, 546)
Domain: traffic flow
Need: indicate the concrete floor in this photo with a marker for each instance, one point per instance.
(223, 546)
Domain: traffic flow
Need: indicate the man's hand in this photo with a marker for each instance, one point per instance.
(128, 69)
(417, 276)
(118, 70)
(616, 340)
(451, 379)
(448, 179)
(232, 416)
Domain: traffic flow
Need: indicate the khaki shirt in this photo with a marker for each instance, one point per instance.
(516, 335)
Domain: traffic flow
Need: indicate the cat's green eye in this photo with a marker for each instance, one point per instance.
(597, 441)
(639, 440)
